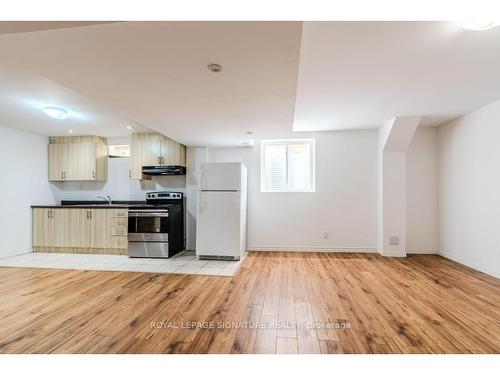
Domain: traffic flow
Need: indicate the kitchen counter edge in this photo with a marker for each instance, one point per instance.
(81, 206)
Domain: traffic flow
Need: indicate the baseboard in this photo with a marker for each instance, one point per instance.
(314, 249)
(80, 250)
(478, 267)
(422, 251)
(14, 253)
(395, 254)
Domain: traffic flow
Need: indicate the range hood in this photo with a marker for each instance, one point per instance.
(164, 170)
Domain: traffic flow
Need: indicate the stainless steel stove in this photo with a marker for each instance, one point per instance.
(156, 229)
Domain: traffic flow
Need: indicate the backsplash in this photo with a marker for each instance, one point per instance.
(118, 186)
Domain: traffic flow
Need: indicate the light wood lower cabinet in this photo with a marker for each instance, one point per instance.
(51, 227)
(80, 228)
(100, 228)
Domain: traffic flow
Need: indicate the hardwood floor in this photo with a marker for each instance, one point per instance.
(421, 304)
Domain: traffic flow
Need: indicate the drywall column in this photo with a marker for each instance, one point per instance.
(394, 139)
(194, 157)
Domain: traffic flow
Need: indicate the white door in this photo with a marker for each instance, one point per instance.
(220, 176)
(218, 224)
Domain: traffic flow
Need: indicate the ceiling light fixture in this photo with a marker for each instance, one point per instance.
(70, 131)
(477, 25)
(249, 133)
(216, 68)
(56, 112)
(129, 127)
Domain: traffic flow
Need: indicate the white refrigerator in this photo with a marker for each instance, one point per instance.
(222, 211)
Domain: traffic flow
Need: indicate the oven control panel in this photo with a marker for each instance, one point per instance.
(162, 195)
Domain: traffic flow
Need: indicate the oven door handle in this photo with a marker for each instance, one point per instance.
(147, 213)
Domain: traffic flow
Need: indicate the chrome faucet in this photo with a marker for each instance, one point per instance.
(107, 198)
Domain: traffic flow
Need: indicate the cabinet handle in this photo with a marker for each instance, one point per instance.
(159, 160)
(48, 214)
(88, 214)
(93, 174)
(129, 173)
(62, 175)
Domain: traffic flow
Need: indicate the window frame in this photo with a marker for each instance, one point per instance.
(291, 141)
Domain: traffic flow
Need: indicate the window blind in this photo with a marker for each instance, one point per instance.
(287, 165)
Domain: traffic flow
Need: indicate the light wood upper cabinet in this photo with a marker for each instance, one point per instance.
(135, 161)
(168, 151)
(153, 149)
(57, 161)
(78, 159)
(150, 149)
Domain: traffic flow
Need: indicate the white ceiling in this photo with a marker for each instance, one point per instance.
(277, 76)
(156, 74)
(23, 95)
(11, 27)
(357, 75)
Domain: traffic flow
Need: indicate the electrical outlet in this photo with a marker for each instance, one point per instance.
(325, 235)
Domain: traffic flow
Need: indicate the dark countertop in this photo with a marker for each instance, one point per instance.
(90, 204)
(81, 206)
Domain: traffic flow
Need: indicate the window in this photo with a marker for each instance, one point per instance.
(119, 151)
(287, 165)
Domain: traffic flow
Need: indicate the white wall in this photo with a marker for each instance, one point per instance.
(194, 157)
(395, 138)
(469, 189)
(392, 207)
(422, 229)
(344, 204)
(23, 167)
(118, 185)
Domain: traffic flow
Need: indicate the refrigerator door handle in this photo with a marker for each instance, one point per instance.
(202, 179)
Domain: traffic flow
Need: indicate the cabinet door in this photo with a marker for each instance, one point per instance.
(182, 155)
(135, 166)
(81, 162)
(168, 151)
(57, 154)
(41, 227)
(150, 150)
(101, 173)
(100, 228)
(79, 227)
(177, 154)
(59, 228)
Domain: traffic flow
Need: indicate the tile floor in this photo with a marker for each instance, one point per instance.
(183, 263)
